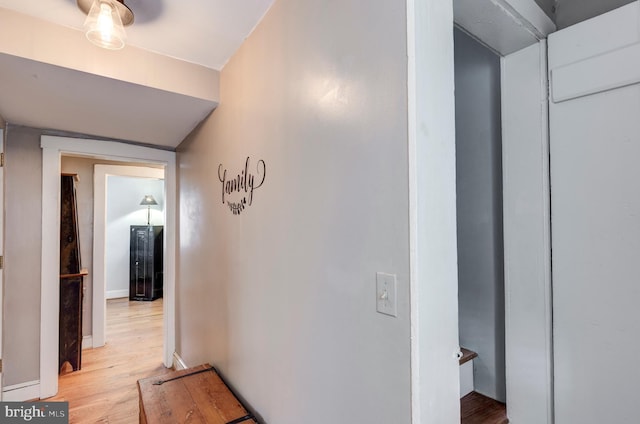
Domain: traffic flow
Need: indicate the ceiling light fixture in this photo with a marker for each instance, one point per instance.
(105, 22)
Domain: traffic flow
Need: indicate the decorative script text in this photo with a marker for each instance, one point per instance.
(237, 191)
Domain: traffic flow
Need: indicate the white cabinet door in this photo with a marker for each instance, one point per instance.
(595, 218)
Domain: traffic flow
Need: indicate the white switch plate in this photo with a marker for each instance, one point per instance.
(386, 294)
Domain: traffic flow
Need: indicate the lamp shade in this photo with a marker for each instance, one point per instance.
(103, 26)
(148, 200)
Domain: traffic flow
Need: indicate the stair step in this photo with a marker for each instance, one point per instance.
(467, 355)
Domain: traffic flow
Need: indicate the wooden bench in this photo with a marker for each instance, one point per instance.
(195, 395)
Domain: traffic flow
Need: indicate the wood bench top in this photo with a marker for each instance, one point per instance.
(195, 395)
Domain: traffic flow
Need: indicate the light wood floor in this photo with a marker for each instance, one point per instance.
(104, 390)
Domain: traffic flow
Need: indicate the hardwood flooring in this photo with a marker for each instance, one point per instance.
(105, 390)
(478, 409)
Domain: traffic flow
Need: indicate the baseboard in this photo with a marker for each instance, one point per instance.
(116, 294)
(178, 363)
(87, 342)
(21, 392)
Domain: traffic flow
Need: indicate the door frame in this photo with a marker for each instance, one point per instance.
(53, 148)
(100, 176)
(432, 189)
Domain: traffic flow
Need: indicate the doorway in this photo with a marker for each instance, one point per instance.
(53, 149)
(515, 212)
(479, 217)
(125, 186)
(107, 245)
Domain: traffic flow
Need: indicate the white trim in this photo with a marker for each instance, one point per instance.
(435, 370)
(530, 15)
(603, 72)
(117, 294)
(52, 149)
(545, 216)
(50, 266)
(527, 236)
(101, 172)
(21, 392)
(416, 407)
(87, 342)
(178, 362)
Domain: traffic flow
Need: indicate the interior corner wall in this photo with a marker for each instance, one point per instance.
(23, 232)
(479, 215)
(281, 296)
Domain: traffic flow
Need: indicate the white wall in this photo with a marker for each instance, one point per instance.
(123, 210)
(435, 371)
(282, 298)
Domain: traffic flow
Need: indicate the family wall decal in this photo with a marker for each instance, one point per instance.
(237, 191)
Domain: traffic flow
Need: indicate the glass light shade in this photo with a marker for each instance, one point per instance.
(103, 26)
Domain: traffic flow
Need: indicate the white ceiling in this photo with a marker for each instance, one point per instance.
(206, 32)
(43, 95)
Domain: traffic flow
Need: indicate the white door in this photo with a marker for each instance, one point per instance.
(595, 218)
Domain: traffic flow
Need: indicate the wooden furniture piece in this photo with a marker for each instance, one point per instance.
(146, 262)
(71, 278)
(195, 395)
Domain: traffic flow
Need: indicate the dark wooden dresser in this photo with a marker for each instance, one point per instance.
(146, 262)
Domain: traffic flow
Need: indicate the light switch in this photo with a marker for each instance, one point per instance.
(386, 294)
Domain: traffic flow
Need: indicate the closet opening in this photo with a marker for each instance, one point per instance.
(481, 300)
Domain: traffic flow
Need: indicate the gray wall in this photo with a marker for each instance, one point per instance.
(479, 202)
(284, 293)
(23, 233)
